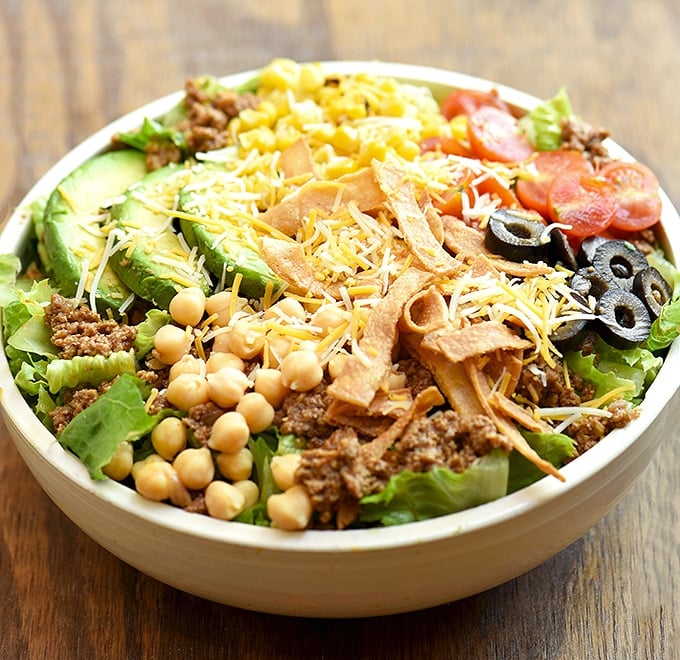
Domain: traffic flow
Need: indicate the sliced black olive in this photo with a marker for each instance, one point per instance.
(586, 251)
(516, 235)
(561, 251)
(569, 334)
(650, 286)
(619, 261)
(589, 282)
(622, 318)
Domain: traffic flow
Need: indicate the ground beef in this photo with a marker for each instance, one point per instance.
(301, 414)
(75, 402)
(546, 387)
(160, 153)
(579, 136)
(200, 420)
(588, 431)
(77, 330)
(418, 377)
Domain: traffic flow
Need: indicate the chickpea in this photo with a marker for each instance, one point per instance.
(154, 480)
(258, 412)
(245, 341)
(195, 467)
(222, 341)
(169, 437)
(218, 359)
(290, 510)
(188, 306)
(269, 383)
(330, 317)
(301, 371)
(278, 347)
(283, 469)
(172, 343)
(187, 364)
(336, 364)
(236, 466)
(229, 433)
(188, 390)
(223, 500)
(226, 386)
(286, 309)
(250, 491)
(220, 304)
(121, 462)
(138, 465)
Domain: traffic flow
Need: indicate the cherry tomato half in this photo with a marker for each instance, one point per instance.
(494, 135)
(637, 195)
(532, 190)
(466, 101)
(582, 200)
(447, 145)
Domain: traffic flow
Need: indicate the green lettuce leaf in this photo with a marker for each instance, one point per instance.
(147, 329)
(543, 124)
(116, 416)
(666, 328)
(89, 369)
(411, 496)
(153, 130)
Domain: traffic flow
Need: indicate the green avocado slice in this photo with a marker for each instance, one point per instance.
(219, 237)
(152, 258)
(73, 236)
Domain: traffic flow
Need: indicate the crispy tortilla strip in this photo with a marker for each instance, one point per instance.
(510, 409)
(505, 368)
(413, 222)
(359, 187)
(287, 260)
(449, 376)
(504, 425)
(375, 419)
(297, 160)
(459, 344)
(366, 369)
(423, 403)
(468, 242)
(425, 312)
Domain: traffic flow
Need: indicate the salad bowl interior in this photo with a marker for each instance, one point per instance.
(348, 573)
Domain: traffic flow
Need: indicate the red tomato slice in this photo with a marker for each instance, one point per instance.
(637, 195)
(496, 189)
(451, 202)
(494, 135)
(467, 101)
(584, 201)
(447, 145)
(532, 190)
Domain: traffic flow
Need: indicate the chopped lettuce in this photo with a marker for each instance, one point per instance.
(116, 416)
(543, 124)
(153, 130)
(667, 327)
(147, 329)
(411, 496)
(88, 369)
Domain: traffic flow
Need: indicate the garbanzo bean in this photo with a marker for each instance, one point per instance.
(277, 347)
(187, 364)
(286, 309)
(154, 480)
(138, 465)
(222, 341)
(336, 365)
(226, 386)
(188, 306)
(283, 469)
(221, 305)
(245, 341)
(301, 371)
(269, 383)
(121, 462)
(169, 437)
(224, 501)
(229, 433)
(195, 467)
(290, 510)
(235, 466)
(258, 412)
(172, 343)
(330, 317)
(188, 390)
(250, 491)
(218, 359)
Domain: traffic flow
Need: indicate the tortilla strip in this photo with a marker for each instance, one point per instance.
(373, 420)
(325, 196)
(297, 160)
(504, 425)
(505, 367)
(459, 344)
(465, 241)
(287, 260)
(401, 199)
(365, 371)
(449, 376)
(425, 312)
(510, 409)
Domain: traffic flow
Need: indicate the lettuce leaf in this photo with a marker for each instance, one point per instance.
(667, 327)
(411, 496)
(543, 124)
(153, 130)
(89, 369)
(147, 329)
(116, 416)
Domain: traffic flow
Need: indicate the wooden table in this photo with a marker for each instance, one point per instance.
(67, 68)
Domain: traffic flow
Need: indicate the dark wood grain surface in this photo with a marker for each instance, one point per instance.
(69, 67)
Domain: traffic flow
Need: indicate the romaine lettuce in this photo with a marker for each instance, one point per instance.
(543, 124)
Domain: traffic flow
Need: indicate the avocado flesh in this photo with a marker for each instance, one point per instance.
(226, 254)
(152, 261)
(71, 225)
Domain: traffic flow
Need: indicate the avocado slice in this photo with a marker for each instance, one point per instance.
(153, 259)
(219, 236)
(72, 232)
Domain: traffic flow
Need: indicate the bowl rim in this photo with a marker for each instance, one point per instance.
(483, 517)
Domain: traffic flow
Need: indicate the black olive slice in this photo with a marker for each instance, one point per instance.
(622, 318)
(650, 286)
(619, 261)
(561, 251)
(586, 250)
(516, 235)
(569, 334)
(590, 282)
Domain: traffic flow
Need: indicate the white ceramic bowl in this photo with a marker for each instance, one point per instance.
(349, 573)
